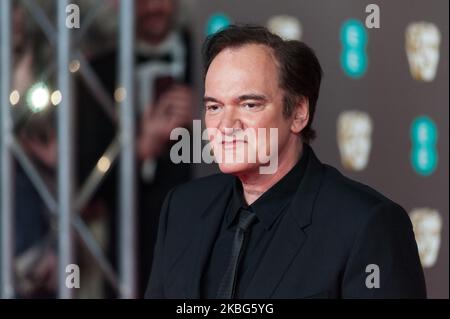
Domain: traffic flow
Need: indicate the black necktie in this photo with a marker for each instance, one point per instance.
(227, 286)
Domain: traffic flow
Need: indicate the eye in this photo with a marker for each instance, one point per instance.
(251, 106)
(212, 108)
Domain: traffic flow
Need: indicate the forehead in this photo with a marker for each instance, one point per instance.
(250, 68)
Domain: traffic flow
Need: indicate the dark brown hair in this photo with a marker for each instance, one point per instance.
(299, 69)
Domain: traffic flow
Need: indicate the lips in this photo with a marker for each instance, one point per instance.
(232, 144)
(232, 140)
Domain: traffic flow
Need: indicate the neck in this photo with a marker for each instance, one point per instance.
(255, 184)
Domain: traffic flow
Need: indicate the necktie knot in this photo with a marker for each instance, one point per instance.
(246, 219)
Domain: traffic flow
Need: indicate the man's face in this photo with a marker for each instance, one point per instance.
(154, 18)
(242, 95)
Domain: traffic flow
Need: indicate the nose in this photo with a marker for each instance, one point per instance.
(230, 121)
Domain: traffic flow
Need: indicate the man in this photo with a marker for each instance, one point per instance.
(303, 231)
(163, 102)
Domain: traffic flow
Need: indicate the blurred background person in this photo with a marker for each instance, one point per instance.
(33, 84)
(164, 101)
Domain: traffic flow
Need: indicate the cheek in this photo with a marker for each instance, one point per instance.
(283, 128)
(267, 118)
(269, 131)
(212, 124)
(211, 121)
(211, 132)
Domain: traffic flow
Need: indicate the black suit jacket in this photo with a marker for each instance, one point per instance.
(334, 229)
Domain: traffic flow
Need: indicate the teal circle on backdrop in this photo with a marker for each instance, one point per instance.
(217, 22)
(354, 62)
(353, 34)
(424, 160)
(424, 131)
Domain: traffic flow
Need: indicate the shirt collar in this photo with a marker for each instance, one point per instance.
(269, 206)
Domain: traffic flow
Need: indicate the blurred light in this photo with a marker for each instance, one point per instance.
(14, 97)
(287, 27)
(56, 97)
(74, 66)
(38, 97)
(103, 164)
(120, 94)
(216, 23)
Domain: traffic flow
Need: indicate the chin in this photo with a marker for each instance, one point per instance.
(237, 168)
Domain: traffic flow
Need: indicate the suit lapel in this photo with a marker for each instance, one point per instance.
(205, 234)
(284, 247)
(290, 235)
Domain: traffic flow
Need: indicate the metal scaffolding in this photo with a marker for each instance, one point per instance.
(6, 188)
(127, 265)
(66, 205)
(65, 152)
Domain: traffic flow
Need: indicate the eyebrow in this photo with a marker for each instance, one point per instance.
(257, 97)
(209, 99)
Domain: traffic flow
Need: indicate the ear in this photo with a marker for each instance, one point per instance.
(300, 115)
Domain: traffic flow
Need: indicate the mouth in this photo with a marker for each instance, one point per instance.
(232, 144)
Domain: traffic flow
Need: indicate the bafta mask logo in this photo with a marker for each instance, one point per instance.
(422, 49)
(354, 131)
(427, 225)
(287, 27)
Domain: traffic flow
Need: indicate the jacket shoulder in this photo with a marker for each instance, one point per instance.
(347, 208)
(202, 186)
(349, 202)
(195, 195)
(351, 192)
